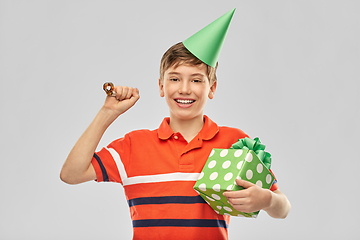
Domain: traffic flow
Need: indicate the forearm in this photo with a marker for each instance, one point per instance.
(76, 167)
(279, 205)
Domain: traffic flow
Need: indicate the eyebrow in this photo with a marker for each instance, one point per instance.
(194, 74)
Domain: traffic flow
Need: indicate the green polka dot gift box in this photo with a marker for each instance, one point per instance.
(225, 165)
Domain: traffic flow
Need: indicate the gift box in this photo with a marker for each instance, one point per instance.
(225, 165)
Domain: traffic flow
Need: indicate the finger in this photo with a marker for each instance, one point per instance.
(135, 96)
(240, 204)
(243, 208)
(129, 93)
(243, 183)
(235, 194)
(121, 92)
(124, 93)
(118, 92)
(237, 201)
(136, 92)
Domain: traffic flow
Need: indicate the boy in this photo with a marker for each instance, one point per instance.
(158, 168)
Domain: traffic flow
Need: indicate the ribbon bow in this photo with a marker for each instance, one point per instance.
(256, 146)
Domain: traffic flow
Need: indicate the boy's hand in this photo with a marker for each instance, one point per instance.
(251, 199)
(125, 98)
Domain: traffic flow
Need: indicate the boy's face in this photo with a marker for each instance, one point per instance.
(186, 89)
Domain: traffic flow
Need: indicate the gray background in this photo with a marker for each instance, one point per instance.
(288, 73)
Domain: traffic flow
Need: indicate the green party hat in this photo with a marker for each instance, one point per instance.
(206, 44)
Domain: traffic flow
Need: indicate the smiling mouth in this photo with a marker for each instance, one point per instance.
(187, 101)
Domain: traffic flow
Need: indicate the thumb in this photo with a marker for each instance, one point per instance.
(243, 183)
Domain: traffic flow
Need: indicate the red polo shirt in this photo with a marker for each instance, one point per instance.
(158, 170)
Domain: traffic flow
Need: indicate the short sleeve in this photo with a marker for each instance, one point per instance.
(274, 186)
(111, 161)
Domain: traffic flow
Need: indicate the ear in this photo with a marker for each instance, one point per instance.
(161, 88)
(212, 90)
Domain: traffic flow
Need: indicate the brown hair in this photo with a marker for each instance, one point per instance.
(177, 55)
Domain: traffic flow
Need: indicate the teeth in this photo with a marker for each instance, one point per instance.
(184, 101)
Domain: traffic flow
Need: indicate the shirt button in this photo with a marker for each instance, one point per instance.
(176, 137)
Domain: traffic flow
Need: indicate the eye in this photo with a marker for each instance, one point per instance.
(174, 79)
(197, 80)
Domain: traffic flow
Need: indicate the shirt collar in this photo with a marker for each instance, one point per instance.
(209, 130)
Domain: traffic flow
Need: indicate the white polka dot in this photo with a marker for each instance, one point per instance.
(210, 198)
(201, 175)
(228, 209)
(240, 215)
(215, 196)
(228, 176)
(249, 174)
(238, 166)
(249, 157)
(216, 187)
(229, 187)
(212, 153)
(226, 164)
(223, 153)
(212, 164)
(226, 214)
(259, 168)
(259, 183)
(202, 187)
(268, 179)
(217, 212)
(213, 176)
(238, 153)
(218, 207)
(238, 177)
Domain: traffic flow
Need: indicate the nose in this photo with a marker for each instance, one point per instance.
(184, 87)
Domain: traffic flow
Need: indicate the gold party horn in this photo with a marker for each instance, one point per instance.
(109, 89)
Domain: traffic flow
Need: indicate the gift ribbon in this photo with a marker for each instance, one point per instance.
(256, 146)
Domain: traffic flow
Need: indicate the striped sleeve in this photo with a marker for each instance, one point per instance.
(274, 186)
(109, 161)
